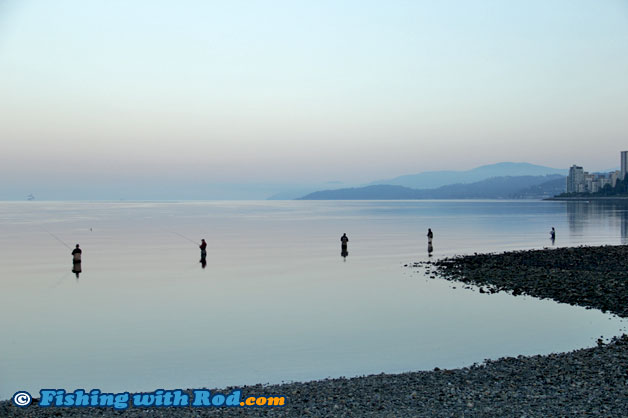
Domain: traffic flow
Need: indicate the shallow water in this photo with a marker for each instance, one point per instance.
(276, 301)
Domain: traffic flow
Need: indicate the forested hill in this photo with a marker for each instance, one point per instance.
(494, 188)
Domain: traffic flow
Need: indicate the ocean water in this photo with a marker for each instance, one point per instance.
(276, 301)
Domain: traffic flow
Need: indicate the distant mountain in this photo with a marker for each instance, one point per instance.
(434, 179)
(548, 189)
(378, 192)
(290, 194)
(295, 191)
(494, 188)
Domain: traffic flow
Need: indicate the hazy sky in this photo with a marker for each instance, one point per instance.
(307, 91)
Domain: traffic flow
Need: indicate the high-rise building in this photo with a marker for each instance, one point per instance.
(575, 179)
(615, 175)
(580, 181)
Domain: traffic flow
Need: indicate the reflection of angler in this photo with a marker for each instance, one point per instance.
(76, 268)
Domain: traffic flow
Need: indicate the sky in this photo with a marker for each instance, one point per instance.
(112, 95)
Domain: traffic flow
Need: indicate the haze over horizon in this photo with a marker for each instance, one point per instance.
(103, 98)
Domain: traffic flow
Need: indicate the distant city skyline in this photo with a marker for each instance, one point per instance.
(104, 97)
(580, 181)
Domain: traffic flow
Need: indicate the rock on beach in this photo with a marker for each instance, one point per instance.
(593, 277)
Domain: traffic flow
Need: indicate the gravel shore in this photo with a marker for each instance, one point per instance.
(587, 382)
(594, 277)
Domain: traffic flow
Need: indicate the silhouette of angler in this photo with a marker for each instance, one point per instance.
(344, 240)
(76, 261)
(203, 248)
(76, 254)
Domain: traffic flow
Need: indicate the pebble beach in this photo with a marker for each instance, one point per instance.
(586, 382)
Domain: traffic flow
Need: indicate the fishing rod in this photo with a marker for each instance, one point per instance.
(184, 237)
(56, 237)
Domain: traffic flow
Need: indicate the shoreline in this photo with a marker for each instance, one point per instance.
(588, 276)
(585, 382)
(587, 199)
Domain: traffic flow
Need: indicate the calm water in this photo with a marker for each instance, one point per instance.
(276, 301)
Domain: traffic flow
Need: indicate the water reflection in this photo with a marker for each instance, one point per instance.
(307, 300)
(582, 214)
(76, 268)
(624, 227)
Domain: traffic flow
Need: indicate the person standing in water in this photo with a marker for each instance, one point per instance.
(430, 248)
(76, 254)
(76, 261)
(203, 248)
(553, 235)
(344, 240)
(343, 246)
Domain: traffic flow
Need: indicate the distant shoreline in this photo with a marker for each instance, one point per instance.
(586, 199)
